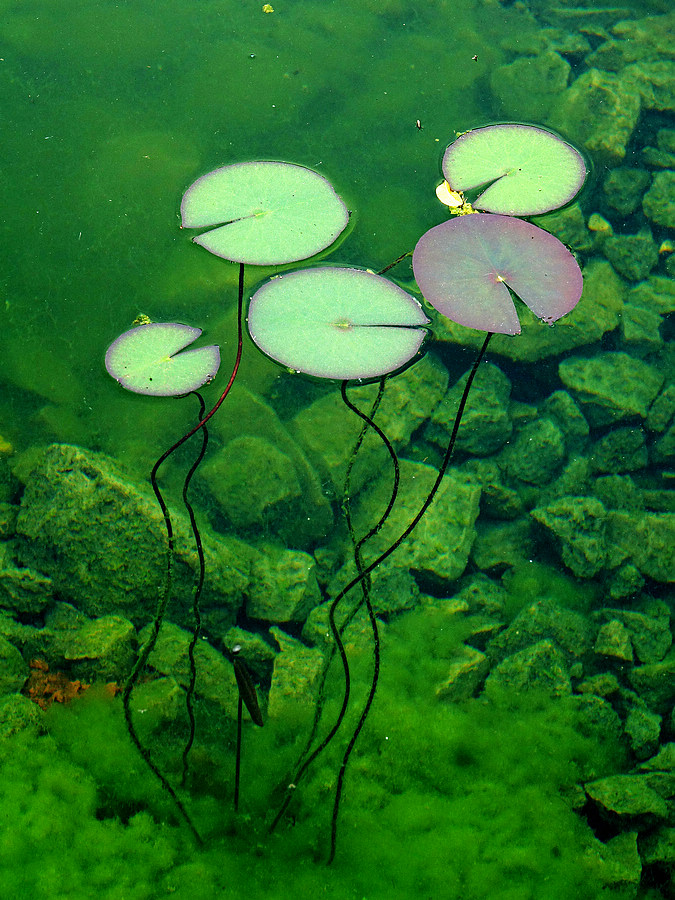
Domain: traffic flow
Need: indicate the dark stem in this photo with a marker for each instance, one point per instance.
(196, 613)
(147, 649)
(387, 553)
(337, 633)
(149, 645)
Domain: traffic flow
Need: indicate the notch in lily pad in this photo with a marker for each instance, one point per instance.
(337, 322)
(264, 213)
(465, 267)
(152, 359)
(522, 170)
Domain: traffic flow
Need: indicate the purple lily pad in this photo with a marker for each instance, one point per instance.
(465, 267)
(148, 360)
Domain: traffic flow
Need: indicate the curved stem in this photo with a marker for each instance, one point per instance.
(149, 645)
(337, 632)
(196, 613)
(387, 553)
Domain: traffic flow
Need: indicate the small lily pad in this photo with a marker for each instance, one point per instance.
(465, 267)
(267, 213)
(148, 360)
(526, 170)
(336, 322)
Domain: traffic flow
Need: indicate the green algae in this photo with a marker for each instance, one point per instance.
(475, 792)
(531, 581)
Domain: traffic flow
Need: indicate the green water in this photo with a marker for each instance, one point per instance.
(109, 111)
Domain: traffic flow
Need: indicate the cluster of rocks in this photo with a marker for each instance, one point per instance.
(609, 86)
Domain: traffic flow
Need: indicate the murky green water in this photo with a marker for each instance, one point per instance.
(109, 112)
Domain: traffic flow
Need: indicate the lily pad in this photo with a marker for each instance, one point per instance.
(336, 322)
(465, 267)
(267, 213)
(148, 360)
(526, 170)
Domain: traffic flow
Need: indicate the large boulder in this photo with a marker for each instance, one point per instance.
(101, 538)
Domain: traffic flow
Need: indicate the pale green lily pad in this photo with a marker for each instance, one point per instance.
(527, 171)
(267, 213)
(336, 322)
(148, 360)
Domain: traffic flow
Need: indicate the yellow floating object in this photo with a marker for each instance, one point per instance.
(447, 196)
(267, 8)
(667, 247)
(599, 224)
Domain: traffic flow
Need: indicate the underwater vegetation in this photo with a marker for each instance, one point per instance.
(394, 594)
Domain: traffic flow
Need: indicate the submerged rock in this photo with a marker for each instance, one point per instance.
(646, 539)
(659, 201)
(599, 111)
(628, 796)
(102, 540)
(215, 675)
(485, 424)
(624, 187)
(295, 678)
(632, 255)
(578, 525)
(536, 454)
(439, 546)
(539, 667)
(611, 387)
(283, 587)
(527, 87)
(13, 669)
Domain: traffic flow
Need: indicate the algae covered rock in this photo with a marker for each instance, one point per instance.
(295, 677)
(598, 111)
(562, 409)
(659, 201)
(101, 648)
(253, 481)
(439, 547)
(465, 675)
(611, 387)
(101, 538)
(25, 591)
(272, 493)
(327, 430)
(628, 796)
(646, 539)
(13, 670)
(485, 424)
(620, 450)
(624, 187)
(527, 87)
(215, 675)
(613, 640)
(632, 255)
(578, 525)
(539, 667)
(544, 620)
(500, 544)
(655, 683)
(536, 454)
(283, 587)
